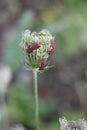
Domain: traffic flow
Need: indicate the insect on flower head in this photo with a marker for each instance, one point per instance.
(38, 47)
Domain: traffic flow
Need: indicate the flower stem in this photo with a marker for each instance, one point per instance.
(36, 99)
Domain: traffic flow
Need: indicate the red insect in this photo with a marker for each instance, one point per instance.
(35, 46)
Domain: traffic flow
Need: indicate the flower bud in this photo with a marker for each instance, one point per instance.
(37, 48)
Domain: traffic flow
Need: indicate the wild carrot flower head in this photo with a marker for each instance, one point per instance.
(37, 48)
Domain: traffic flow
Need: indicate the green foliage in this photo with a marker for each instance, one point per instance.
(21, 106)
(14, 55)
(74, 115)
(69, 28)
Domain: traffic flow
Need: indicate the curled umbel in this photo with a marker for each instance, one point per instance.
(38, 47)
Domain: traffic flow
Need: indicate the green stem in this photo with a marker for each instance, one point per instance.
(36, 99)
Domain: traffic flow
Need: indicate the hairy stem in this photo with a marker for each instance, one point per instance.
(36, 99)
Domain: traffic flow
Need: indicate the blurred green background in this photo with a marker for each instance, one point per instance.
(63, 88)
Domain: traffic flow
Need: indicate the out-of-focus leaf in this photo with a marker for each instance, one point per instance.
(14, 55)
(21, 107)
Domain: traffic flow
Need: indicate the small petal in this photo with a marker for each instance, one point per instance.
(43, 64)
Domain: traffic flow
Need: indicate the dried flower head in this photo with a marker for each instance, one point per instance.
(37, 48)
(80, 124)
